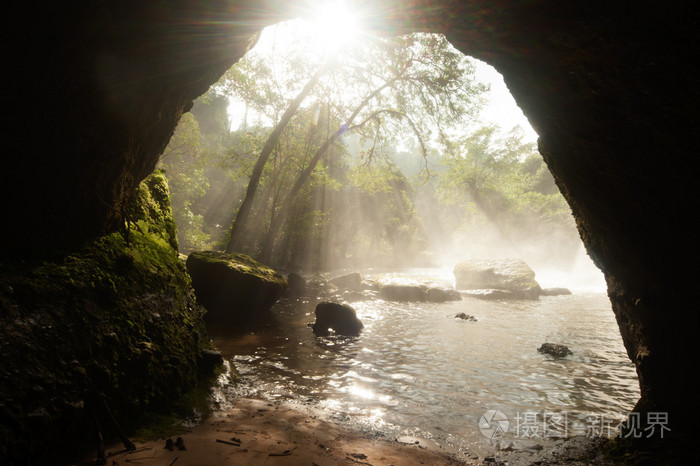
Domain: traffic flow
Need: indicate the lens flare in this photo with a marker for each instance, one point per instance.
(336, 25)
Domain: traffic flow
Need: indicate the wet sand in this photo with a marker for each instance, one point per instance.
(256, 432)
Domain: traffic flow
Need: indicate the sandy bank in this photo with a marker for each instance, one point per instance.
(256, 432)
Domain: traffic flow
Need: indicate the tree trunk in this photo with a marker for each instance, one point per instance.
(239, 223)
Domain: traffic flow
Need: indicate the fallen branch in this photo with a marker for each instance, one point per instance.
(228, 443)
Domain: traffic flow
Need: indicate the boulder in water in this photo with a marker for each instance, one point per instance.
(349, 282)
(464, 316)
(296, 285)
(512, 275)
(553, 349)
(417, 292)
(401, 292)
(235, 289)
(336, 318)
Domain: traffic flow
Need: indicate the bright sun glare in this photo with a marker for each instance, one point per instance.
(335, 25)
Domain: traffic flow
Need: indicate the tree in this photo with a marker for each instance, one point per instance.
(502, 182)
(412, 87)
(272, 140)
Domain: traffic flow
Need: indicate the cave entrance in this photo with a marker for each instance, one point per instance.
(401, 195)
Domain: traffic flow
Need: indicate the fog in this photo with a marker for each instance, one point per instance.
(397, 211)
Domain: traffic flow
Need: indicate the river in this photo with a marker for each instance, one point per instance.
(416, 372)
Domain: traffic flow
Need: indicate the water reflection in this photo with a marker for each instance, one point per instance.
(415, 370)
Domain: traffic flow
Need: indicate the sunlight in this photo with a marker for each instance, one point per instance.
(335, 26)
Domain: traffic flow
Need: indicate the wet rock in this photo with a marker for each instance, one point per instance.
(210, 359)
(491, 294)
(336, 318)
(439, 295)
(512, 275)
(555, 291)
(296, 284)
(319, 286)
(553, 349)
(464, 316)
(417, 292)
(235, 289)
(396, 292)
(350, 282)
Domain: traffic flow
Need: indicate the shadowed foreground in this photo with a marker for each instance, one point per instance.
(258, 432)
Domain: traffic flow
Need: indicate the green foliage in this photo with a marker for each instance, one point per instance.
(184, 162)
(500, 182)
(332, 179)
(413, 89)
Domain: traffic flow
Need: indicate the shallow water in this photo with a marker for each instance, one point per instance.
(417, 371)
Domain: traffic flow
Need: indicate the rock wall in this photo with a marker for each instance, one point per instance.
(96, 89)
(113, 324)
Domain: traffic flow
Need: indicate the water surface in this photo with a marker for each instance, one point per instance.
(417, 371)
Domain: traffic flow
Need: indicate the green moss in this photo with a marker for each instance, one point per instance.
(151, 210)
(243, 264)
(115, 320)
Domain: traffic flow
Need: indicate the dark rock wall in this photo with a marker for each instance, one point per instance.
(95, 93)
(115, 322)
(97, 87)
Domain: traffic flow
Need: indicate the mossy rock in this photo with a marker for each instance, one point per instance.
(236, 290)
(115, 320)
(150, 209)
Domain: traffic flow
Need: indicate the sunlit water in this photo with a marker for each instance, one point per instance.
(416, 371)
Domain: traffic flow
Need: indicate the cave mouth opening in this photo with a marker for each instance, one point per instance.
(609, 89)
(496, 228)
(419, 161)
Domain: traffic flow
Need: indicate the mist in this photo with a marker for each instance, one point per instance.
(376, 200)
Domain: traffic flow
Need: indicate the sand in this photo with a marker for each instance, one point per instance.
(256, 432)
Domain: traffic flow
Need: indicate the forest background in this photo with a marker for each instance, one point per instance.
(372, 154)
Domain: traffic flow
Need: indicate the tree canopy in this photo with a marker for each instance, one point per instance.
(367, 153)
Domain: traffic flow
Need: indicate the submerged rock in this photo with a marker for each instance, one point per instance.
(417, 292)
(553, 349)
(336, 318)
(464, 316)
(491, 294)
(511, 275)
(235, 289)
(439, 295)
(396, 292)
(555, 291)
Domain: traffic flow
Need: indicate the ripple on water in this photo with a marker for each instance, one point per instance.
(415, 370)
